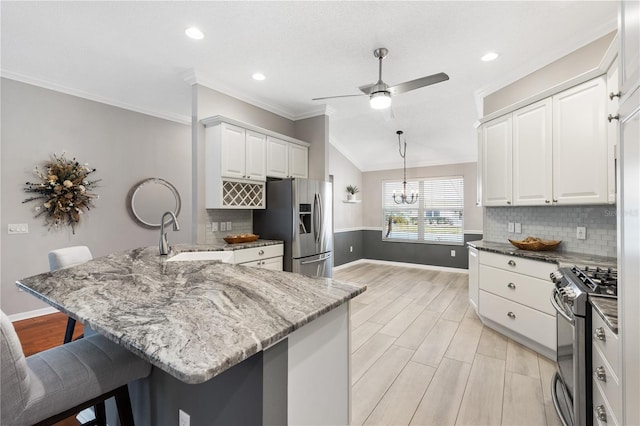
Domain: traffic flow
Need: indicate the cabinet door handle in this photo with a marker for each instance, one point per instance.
(512, 286)
(555, 201)
(547, 201)
(601, 374)
(508, 202)
(613, 117)
(511, 315)
(599, 334)
(601, 413)
(615, 95)
(248, 177)
(261, 252)
(511, 263)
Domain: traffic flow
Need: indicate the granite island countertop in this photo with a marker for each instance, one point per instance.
(562, 259)
(222, 246)
(192, 319)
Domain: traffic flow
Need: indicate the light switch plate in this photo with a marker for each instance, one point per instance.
(518, 228)
(214, 226)
(223, 226)
(510, 227)
(581, 233)
(228, 226)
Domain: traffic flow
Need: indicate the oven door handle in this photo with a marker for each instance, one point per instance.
(558, 309)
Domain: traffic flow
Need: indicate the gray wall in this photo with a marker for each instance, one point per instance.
(348, 247)
(124, 146)
(347, 216)
(572, 65)
(315, 130)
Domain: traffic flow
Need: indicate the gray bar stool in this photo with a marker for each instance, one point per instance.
(49, 386)
(65, 258)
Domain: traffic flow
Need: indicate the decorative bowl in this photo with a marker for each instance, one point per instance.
(535, 244)
(242, 238)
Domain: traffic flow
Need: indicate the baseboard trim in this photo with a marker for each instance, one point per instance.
(32, 314)
(403, 264)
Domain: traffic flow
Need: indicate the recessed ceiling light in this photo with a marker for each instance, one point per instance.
(258, 76)
(489, 57)
(194, 33)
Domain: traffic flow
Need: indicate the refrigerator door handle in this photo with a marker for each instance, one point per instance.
(322, 259)
(316, 224)
(294, 221)
(320, 220)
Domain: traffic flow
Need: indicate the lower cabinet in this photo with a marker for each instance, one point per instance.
(605, 368)
(473, 277)
(513, 298)
(266, 257)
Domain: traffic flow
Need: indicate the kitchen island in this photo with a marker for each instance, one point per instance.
(213, 328)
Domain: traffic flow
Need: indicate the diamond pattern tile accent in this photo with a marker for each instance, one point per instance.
(242, 194)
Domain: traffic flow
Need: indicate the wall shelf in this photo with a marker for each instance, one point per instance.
(352, 201)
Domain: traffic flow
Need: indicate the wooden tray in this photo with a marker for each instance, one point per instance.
(535, 244)
(238, 239)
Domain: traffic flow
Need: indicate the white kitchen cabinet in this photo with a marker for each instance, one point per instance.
(497, 162)
(242, 152)
(285, 159)
(612, 129)
(473, 277)
(298, 161)
(267, 257)
(513, 298)
(605, 368)
(532, 154)
(629, 31)
(580, 144)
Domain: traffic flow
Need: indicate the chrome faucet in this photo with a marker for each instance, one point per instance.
(164, 244)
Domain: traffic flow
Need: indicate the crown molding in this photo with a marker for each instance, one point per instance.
(394, 165)
(92, 97)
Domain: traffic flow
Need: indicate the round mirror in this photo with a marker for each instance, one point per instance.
(149, 199)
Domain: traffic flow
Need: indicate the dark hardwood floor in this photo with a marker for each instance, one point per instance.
(42, 333)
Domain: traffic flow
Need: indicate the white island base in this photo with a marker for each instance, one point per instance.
(303, 379)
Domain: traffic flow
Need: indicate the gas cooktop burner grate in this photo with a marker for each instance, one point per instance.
(599, 281)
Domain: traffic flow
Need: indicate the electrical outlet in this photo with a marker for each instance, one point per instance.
(223, 226)
(581, 233)
(214, 226)
(228, 226)
(18, 228)
(183, 418)
(453, 253)
(350, 249)
(510, 226)
(518, 228)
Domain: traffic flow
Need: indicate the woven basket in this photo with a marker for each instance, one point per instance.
(535, 244)
(234, 239)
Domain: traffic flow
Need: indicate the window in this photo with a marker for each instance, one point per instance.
(437, 216)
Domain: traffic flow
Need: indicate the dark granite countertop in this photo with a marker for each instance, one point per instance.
(607, 308)
(192, 319)
(562, 259)
(180, 248)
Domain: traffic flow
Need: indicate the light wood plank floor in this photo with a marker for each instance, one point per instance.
(421, 356)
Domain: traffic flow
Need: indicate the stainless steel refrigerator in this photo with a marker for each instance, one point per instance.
(299, 212)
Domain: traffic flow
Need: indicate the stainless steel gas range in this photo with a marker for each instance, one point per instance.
(571, 386)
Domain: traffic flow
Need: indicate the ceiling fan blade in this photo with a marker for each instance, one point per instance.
(418, 83)
(339, 96)
(367, 88)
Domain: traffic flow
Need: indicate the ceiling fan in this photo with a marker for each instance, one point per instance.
(380, 93)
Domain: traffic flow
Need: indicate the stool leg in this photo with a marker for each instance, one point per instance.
(124, 406)
(68, 334)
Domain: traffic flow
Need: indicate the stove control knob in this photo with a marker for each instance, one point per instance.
(556, 276)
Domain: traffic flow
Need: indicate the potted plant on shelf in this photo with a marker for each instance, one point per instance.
(352, 190)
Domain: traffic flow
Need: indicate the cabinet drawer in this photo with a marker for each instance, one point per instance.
(600, 404)
(607, 380)
(257, 253)
(523, 289)
(605, 340)
(528, 322)
(519, 265)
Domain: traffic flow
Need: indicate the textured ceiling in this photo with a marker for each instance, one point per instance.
(135, 54)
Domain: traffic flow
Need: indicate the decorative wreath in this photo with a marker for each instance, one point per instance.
(63, 191)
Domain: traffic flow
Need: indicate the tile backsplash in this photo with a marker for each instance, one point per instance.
(556, 223)
(242, 223)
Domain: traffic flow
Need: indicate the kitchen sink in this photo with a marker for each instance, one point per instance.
(223, 256)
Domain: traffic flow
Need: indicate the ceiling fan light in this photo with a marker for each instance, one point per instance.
(380, 100)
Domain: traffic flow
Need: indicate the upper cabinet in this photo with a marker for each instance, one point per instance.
(629, 31)
(286, 159)
(238, 159)
(580, 144)
(552, 152)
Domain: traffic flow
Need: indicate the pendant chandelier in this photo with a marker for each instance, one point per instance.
(403, 198)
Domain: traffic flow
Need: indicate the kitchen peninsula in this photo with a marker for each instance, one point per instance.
(232, 344)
